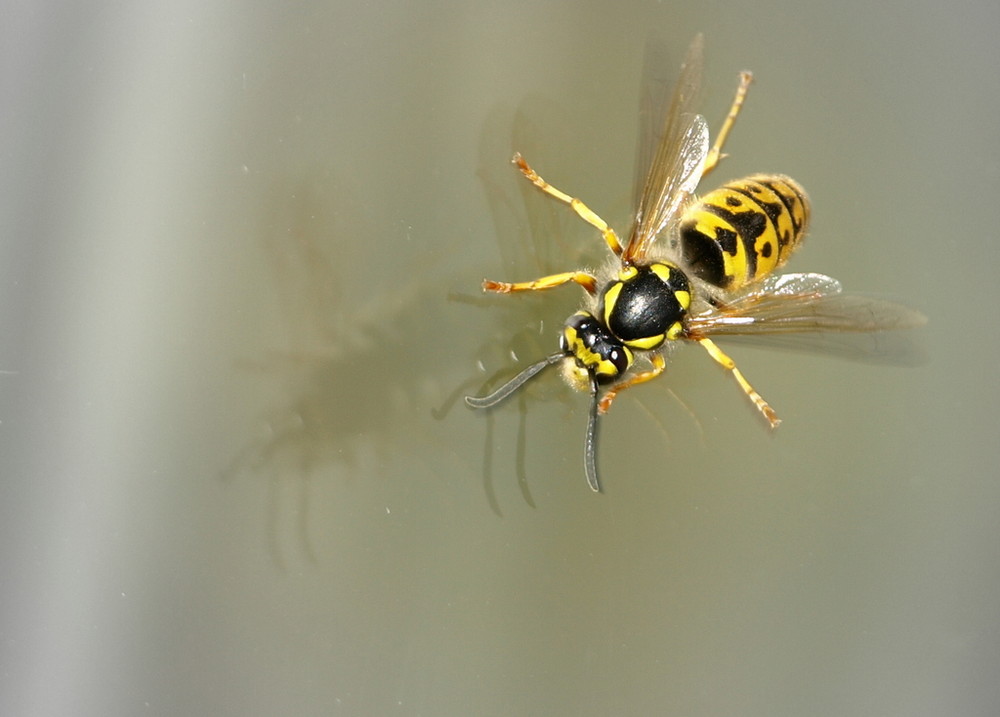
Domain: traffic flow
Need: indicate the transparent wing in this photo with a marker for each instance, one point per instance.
(659, 77)
(884, 348)
(801, 303)
(670, 175)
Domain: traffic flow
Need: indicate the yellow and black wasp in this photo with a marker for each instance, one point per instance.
(691, 269)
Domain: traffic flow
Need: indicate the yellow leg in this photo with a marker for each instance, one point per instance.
(715, 154)
(727, 363)
(585, 280)
(658, 365)
(585, 212)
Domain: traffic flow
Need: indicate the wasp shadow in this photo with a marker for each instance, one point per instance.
(345, 397)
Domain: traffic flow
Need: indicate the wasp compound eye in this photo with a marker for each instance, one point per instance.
(594, 347)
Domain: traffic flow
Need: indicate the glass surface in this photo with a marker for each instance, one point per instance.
(239, 292)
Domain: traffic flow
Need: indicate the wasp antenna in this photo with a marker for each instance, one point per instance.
(590, 444)
(514, 384)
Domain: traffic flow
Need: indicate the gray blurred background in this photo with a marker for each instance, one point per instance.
(240, 250)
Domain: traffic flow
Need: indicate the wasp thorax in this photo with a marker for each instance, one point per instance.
(594, 348)
(646, 305)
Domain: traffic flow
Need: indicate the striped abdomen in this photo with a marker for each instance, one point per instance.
(744, 230)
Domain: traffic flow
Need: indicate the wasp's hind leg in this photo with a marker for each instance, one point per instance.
(727, 363)
(715, 154)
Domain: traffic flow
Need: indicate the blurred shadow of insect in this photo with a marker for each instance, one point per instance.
(691, 268)
(331, 422)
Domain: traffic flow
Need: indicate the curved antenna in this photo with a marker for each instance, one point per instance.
(590, 444)
(514, 384)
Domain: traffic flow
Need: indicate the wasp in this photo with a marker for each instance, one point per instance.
(691, 269)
